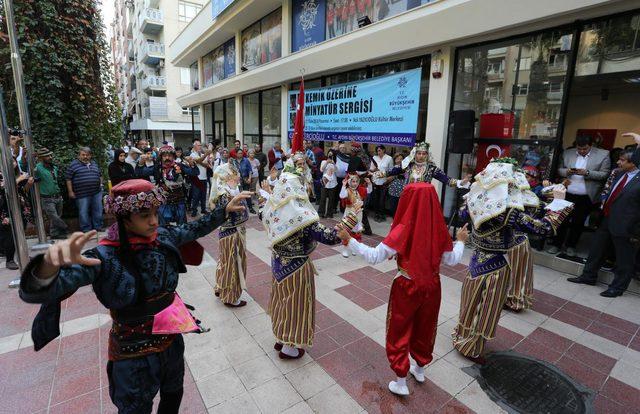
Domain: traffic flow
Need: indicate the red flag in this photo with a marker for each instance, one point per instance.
(298, 126)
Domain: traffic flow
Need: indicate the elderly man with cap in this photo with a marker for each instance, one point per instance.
(620, 226)
(132, 157)
(46, 174)
(134, 273)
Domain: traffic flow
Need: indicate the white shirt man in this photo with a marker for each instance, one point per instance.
(384, 164)
(578, 185)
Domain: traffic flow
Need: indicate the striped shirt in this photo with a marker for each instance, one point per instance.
(85, 178)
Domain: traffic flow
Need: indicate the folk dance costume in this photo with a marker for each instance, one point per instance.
(520, 257)
(495, 207)
(293, 230)
(136, 280)
(231, 271)
(414, 302)
(171, 176)
(423, 171)
(353, 195)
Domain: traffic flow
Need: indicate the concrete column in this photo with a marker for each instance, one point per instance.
(284, 117)
(203, 135)
(440, 92)
(286, 27)
(239, 126)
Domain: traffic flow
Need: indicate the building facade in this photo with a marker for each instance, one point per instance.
(147, 84)
(535, 74)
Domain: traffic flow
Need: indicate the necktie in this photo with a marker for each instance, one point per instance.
(614, 195)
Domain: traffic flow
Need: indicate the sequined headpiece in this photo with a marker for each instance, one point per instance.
(422, 146)
(133, 196)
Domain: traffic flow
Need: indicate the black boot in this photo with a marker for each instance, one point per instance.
(170, 402)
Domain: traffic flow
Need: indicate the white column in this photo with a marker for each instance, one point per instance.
(286, 27)
(284, 117)
(239, 126)
(440, 91)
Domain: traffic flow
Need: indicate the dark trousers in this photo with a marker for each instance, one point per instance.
(377, 200)
(336, 196)
(6, 242)
(198, 197)
(327, 202)
(133, 383)
(572, 227)
(626, 252)
(393, 205)
(247, 187)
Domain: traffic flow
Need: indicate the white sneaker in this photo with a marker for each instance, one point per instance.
(345, 254)
(397, 389)
(415, 371)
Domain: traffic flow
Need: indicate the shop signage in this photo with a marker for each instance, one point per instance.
(308, 23)
(382, 110)
(218, 6)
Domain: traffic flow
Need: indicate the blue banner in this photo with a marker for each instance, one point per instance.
(382, 110)
(218, 6)
(308, 23)
(230, 58)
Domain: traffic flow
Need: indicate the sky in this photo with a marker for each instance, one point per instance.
(107, 7)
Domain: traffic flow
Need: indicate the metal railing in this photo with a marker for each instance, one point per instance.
(154, 82)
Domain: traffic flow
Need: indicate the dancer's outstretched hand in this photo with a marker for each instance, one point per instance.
(342, 233)
(636, 137)
(462, 234)
(66, 253)
(235, 205)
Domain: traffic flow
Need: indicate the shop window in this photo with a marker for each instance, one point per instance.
(610, 46)
(516, 83)
(262, 41)
(230, 119)
(261, 112)
(193, 72)
(185, 78)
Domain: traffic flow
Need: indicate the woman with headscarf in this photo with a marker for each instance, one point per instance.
(496, 209)
(414, 302)
(231, 271)
(119, 169)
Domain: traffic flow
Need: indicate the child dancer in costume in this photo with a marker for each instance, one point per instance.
(231, 271)
(134, 273)
(495, 207)
(353, 195)
(419, 239)
(293, 230)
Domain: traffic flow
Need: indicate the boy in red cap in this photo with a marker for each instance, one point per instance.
(134, 273)
(353, 195)
(418, 239)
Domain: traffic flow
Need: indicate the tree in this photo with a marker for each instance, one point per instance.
(68, 77)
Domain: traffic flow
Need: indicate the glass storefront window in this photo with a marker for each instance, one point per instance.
(261, 118)
(515, 87)
(262, 41)
(230, 117)
(609, 46)
(207, 123)
(251, 118)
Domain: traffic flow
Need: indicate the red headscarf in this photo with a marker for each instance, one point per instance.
(419, 233)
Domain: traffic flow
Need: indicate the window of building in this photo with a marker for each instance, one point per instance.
(187, 11)
(220, 63)
(185, 76)
(193, 76)
(220, 122)
(261, 112)
(188, 111)
(262, 41)
(523, 89)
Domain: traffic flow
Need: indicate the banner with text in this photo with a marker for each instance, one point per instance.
(382, 110)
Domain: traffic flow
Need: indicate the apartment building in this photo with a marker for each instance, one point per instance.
(146, 83)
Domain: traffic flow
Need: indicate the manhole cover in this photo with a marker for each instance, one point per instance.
(522, 384)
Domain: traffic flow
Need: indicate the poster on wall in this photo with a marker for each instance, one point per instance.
(207, 69)
(382, 110)
(230, 58)
(218, 64)
(271, 38)
(342, 15)
(251, 46)
(308, 23)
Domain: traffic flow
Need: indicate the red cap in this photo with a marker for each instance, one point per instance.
(355, 145)
(135, 186)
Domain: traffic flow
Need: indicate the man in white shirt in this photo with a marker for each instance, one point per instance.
(620, 228)
(381, 164)
(585, 169)
(199, 187)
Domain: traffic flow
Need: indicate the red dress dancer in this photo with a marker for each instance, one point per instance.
(419, 239)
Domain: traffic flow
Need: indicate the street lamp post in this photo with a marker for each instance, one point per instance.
(23, 109)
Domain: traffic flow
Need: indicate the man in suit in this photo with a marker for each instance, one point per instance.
(620, 227)
(586, 169)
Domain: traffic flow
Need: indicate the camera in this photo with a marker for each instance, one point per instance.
(16, 132)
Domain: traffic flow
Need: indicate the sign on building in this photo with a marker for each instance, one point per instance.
(308, 23)
(382, 110)
(218, 6)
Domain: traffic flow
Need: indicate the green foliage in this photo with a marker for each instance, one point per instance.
(68, 77)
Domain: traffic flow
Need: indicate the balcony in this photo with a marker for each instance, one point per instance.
(495, 76)
(130, 49)
(157, 109)
(151, 21)
(154, 83)
(151, 53)
(555, 96)
(134, 94)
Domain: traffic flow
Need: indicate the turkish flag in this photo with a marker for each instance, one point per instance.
(298, 125)
(487, 152)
